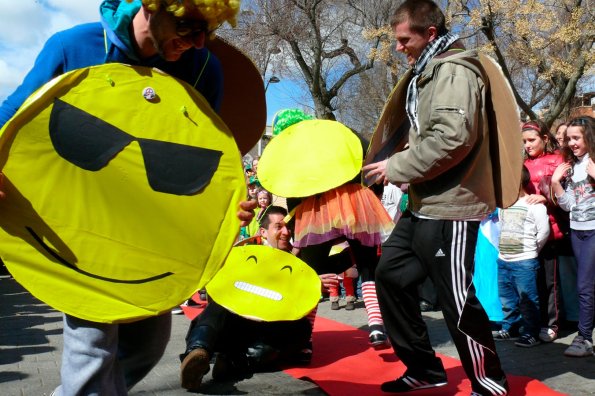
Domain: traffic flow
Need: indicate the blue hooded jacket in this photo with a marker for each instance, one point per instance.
(109, 41)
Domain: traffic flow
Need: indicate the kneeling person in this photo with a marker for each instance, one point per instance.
(258, 346)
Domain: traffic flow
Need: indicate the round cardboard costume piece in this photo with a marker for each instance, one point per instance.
(265, 284)
(244, 105)
(122, 187)
(310, 157)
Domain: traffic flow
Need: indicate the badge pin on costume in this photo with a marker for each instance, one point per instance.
(149, 93)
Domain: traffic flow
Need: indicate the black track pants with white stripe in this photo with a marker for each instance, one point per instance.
(444, 251)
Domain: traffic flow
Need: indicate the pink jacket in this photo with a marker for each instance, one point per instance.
(541, 170)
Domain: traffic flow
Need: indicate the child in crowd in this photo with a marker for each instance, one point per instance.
(561, 133)
(342, 251)
(248, 171)
(524, 231)
(264, 199)
(541, 159)
(578, 198)
(253, 187)
(346, 279)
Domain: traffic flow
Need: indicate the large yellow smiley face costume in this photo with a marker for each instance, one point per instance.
(122, 190)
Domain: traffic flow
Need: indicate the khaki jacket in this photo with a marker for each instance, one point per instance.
(449, 163)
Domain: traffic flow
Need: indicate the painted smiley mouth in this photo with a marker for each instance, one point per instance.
(259, 291)
(89, 274)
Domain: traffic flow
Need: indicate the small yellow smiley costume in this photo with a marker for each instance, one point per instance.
(122, 190)
(265, 284)
(326, 159)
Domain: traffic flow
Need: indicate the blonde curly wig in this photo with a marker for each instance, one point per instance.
(215, 12)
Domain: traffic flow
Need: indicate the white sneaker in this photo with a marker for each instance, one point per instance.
(547, 334)
(579, 347)
(178, 310)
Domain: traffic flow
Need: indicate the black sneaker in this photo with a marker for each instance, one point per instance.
(228, 367)
(334, 305)
(407, 383)
(378, 340)
(425, 306)
(503, 335)
(527, 341)
(304, 355)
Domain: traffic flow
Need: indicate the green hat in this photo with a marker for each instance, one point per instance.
(285, 118)
(254, 180)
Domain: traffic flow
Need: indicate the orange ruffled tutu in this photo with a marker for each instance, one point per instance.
(351, 211)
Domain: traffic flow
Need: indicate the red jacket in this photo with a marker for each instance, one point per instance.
(541, 170)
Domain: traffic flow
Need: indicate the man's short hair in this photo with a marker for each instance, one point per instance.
(421, 14)
(265, 221)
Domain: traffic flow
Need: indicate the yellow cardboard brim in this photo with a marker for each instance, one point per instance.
(244, 105)
(505, 134)
(310, 157)
(389, 134)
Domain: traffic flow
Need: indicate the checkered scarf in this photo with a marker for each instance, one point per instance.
(432, 49)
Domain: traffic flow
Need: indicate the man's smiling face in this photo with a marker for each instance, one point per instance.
(411, 42)
(277, 234)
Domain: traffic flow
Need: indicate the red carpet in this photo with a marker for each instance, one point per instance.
(344, 365)
(192, 311)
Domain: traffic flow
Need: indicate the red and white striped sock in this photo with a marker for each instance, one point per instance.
(371, 304)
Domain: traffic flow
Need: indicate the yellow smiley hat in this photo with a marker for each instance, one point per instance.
(309, 157)
(265, 284)
(122, 186)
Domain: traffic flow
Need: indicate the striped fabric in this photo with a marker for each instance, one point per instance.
(460, 288)
(371, 303)
(432, 49)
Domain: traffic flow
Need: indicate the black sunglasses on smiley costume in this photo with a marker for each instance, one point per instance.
(90, 143)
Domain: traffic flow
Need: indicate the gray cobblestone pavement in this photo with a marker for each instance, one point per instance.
(31, 345)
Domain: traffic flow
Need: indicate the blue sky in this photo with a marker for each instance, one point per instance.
(283, 95)
(25, 25)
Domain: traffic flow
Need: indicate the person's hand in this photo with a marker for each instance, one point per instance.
(560, 172)
(378, 170)
(535, 199)
(2, 193)
(328, 281)
(246, 212)
(591, 168)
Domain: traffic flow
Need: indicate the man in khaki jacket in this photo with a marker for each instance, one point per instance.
(448, 165)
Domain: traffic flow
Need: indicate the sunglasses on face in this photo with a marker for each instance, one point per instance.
(191, 28)
(90, 143)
